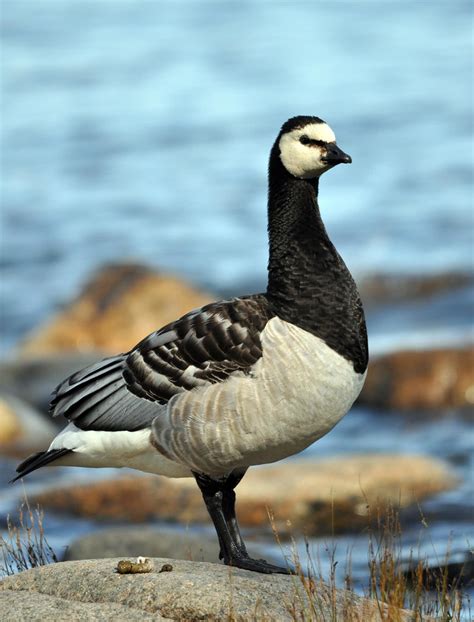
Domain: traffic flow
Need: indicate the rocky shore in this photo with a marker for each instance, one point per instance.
(191, 591)
(422, 381)
(119, 306)
(303, 497)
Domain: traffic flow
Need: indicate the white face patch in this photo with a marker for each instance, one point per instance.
(304, 161)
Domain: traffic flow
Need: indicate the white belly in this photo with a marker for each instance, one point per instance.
(295, 394)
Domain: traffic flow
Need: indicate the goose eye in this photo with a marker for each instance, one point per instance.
(305, 140)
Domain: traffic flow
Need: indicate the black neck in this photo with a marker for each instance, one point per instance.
(308, 282)
(300, 248)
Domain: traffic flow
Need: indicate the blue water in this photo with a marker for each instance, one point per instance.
(142, 131)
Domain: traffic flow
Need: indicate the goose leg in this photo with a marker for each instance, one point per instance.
(228, 508)
(219, 497)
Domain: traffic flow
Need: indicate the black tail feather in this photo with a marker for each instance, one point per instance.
(40, 459)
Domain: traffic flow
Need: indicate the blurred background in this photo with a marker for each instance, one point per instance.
(138, 134)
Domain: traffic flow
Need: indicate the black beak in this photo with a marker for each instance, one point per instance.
(334, 156)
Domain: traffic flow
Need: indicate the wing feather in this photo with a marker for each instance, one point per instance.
(97, 398)
(128, 391)
(207, 347)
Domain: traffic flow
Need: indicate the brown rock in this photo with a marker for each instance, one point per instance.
(329, 496)
(10, 427)
(22, 428)
(423, 380)
(117, 308)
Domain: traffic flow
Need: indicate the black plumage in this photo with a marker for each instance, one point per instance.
(295, 123)
(206, 346)
(309, 284)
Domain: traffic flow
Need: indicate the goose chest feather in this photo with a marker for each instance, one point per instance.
(238, 382)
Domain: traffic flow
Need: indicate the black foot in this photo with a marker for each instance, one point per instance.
(257, 565)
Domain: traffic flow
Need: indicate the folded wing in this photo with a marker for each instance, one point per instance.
(126, 392)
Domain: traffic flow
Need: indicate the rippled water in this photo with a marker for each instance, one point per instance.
(143, 131)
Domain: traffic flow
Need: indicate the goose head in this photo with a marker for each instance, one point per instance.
(307, 147)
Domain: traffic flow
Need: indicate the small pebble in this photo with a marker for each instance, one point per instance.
(166, 568)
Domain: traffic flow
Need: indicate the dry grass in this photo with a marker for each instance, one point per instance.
(392, 593)
(392, 584)
(26, 545)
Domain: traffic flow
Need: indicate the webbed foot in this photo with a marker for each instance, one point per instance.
(257, 565)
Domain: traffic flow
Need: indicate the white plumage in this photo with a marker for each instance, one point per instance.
(296, 392)
(95, 449)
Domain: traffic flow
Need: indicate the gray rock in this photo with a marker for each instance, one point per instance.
(25, 607)
(34, 378)
(135, 541)
(191, 591)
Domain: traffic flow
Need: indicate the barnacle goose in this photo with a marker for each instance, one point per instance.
(238, 382)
